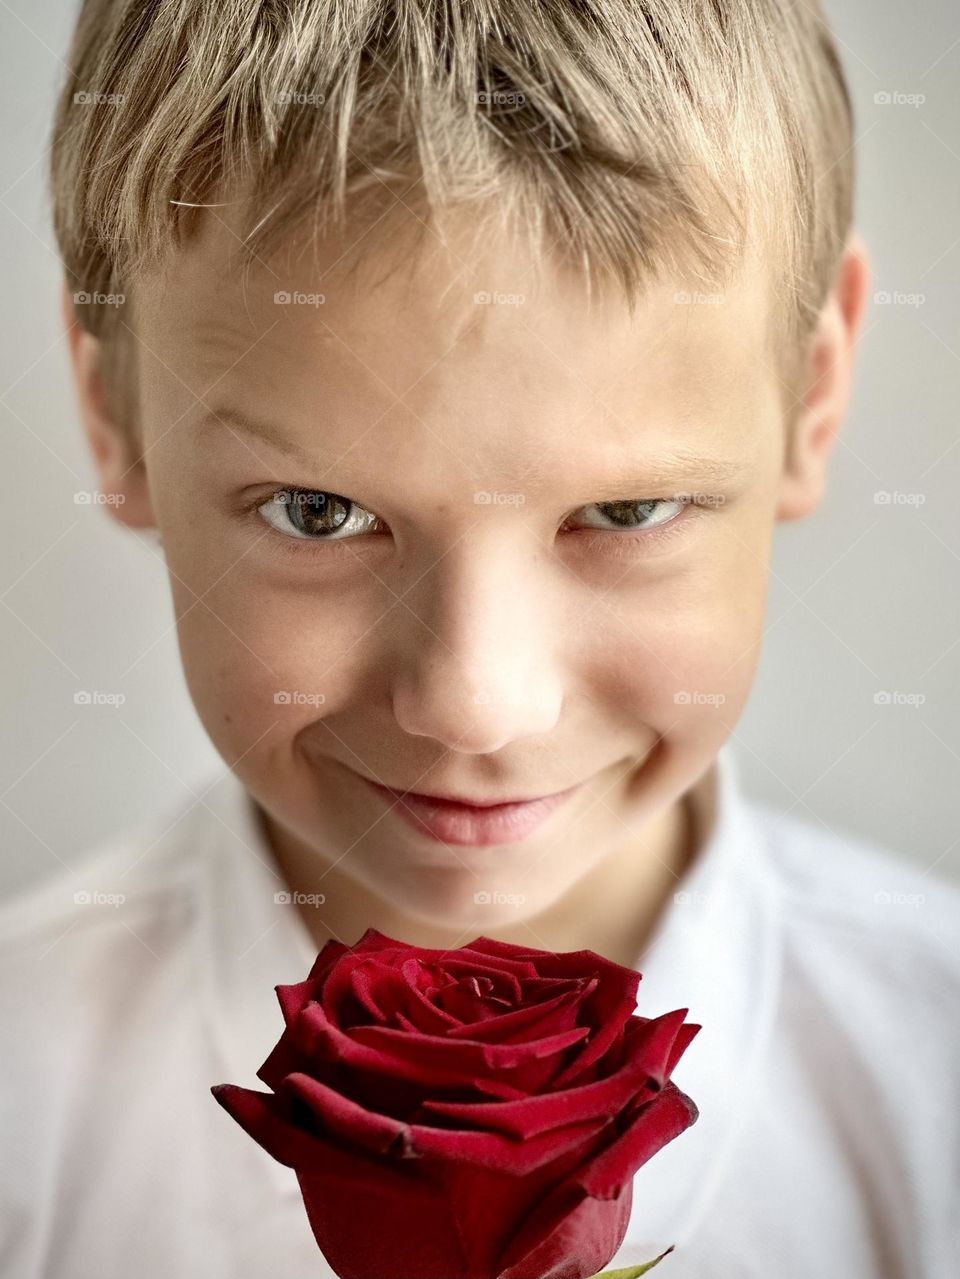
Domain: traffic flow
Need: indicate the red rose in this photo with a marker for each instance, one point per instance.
(466, 1114)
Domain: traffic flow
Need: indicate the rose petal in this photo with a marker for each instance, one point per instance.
(507, 982)
(399, 1202)
(465, 1060)
(282, 1061)
(654, 1041)
(607, 1010)
(584, 1236)
(334, 1181)
(595, 1202)
(504, 1154)
(378, 1133)
(293, 999)
(372, 939)
(685, 1037)
(320, 1041)
(385, 1136)
(655, 1124)
(260, 1116)
(423, 1011)
(530, 1116)
(521, 1023)
(328, 956)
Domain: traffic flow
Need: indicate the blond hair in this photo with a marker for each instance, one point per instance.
(638, 137)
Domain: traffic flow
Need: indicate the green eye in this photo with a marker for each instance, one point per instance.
(315, 515)
(637, 515)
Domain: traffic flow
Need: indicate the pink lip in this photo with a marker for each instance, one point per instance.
(475, 824)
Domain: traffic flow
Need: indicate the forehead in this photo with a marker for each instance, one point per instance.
(436, 328)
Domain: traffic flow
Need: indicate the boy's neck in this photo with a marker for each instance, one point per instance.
(613, 910)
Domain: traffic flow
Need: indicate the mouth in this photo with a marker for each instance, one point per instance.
(455, 821)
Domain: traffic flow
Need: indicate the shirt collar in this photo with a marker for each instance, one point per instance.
(715, 950)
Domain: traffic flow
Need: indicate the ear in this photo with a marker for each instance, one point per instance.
(119, 471)
(825, 386)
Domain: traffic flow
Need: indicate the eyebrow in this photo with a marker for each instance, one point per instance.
(233, 420)
(678, 467)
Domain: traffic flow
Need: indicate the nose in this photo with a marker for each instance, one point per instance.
(480, 667)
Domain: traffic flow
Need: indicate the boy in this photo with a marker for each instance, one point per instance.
(469, 355)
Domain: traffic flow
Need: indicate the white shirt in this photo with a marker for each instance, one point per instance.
(825, 973)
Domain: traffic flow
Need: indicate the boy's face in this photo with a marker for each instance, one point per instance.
(490, 620)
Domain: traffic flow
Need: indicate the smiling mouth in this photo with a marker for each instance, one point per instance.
(451, 821)
(456, 801)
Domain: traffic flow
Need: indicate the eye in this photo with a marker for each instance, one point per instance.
(316, 515)
(640, 515)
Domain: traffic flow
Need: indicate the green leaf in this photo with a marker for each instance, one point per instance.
(632, 1272)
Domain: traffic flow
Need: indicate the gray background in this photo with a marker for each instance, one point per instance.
(864, 596)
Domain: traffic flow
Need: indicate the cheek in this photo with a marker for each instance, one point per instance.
(261, 663)
(687, 650)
